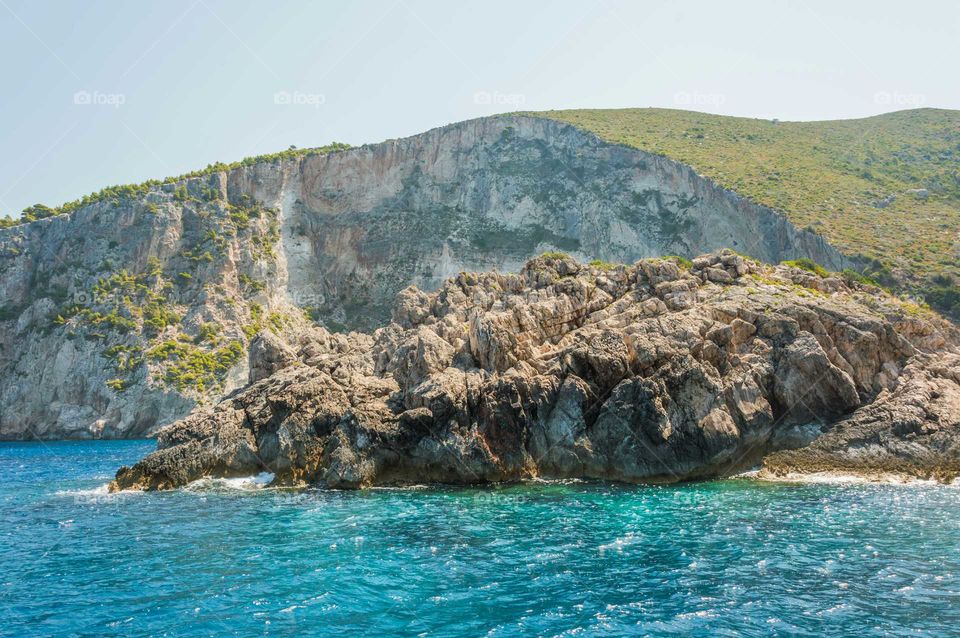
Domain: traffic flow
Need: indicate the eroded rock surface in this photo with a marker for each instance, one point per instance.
(91, 300)
(659, 371)
(910, 431)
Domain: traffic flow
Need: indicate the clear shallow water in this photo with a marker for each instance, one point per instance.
(711, 559)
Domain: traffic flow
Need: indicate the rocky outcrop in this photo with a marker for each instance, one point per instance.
(660, 371)
(85, 298)
(910, 431)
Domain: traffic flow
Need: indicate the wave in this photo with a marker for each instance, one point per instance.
(846, 478)
(241, 483)
(93, 491)
(618, 544)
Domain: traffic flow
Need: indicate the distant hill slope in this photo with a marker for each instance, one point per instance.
(885, 187)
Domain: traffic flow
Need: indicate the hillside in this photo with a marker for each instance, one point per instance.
(885, 187)
(124, 310)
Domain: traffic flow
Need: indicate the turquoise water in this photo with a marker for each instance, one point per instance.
(711, 559)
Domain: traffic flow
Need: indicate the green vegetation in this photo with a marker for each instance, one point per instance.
(129, 191)
(117, 385)
(683, 262)
(249, 284)
(191, 367)
(886, 188)
(208, 332)
(196, 256)
(943, 292)
(491, 235)
(124, 357)
(37, 211)
(180, 194)
(602, 265)
(809, 265)
(276, 321)
(113, 320)
(852, 276)
(256, 320)
(554, 254)
(157, 315)
(263, 242)
(125, 303)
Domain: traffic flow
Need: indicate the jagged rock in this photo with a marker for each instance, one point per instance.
(581, 371)
(910, 431)
(267, 354)
(339, 235)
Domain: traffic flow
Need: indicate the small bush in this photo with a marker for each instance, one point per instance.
(852, 276)
(208, 332)
(117, 385)
(805, 263)
(35, 212)
(602, 265)
(683, 262)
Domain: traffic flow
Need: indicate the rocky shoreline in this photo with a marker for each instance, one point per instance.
(660, 371)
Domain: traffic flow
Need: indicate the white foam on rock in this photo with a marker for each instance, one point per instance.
(243, 483)
(843, 478)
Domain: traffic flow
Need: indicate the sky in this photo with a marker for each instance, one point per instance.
(111, 92)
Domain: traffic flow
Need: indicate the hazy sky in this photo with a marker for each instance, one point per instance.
(112, 92)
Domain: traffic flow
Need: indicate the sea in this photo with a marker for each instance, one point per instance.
(736, 557)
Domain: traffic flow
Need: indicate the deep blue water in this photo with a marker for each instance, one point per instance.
(723, 558)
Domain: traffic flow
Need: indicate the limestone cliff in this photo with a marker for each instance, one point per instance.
(126, 313)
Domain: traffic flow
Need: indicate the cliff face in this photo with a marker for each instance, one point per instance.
(129, 312)
(489, 194)
(651, 372)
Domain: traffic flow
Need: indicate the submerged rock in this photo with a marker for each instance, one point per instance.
(652, 372)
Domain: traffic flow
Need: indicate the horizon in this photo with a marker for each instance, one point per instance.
(187, 84)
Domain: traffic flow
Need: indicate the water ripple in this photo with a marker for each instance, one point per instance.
(732, 558)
